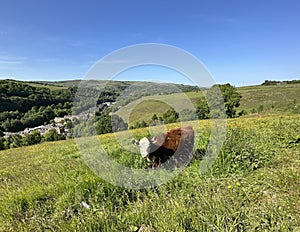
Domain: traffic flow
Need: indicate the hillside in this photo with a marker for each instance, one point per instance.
(25, 104)
(253, 185)
(31, 104)
(36, 104)
(274, 99)
(284, 98)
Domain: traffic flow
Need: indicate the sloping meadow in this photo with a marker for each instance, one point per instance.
(252, 186)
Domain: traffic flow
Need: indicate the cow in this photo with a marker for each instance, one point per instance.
(172, 148)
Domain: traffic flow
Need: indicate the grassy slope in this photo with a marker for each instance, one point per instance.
(42, 85)
(283, 98)
(273, 99)
(145, 107)
(42, 186)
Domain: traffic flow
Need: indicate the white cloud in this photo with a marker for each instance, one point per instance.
(10, 62)
(8, 57)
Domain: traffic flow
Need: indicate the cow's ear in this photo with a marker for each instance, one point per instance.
(135, 142)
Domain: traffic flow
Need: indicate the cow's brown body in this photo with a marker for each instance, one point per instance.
(173, 148)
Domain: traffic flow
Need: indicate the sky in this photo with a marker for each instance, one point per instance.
(242, 42)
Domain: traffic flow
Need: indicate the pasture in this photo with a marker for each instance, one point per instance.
(252, 186)
(263, 100)
(145, 107)
(270, 99)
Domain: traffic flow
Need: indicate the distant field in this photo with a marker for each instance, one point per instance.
(255, 99)
(253, 185)
(145, 107)
(278, 98)
(49, 86)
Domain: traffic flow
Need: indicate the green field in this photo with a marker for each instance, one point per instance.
(252, 186)
(273, 99)
(45, 85)
(145, 107)
(281, 99)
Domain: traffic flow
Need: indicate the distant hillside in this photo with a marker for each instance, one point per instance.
(30, 104)
(26, 104)
(283, 98)
(75, 83)
(261, 99)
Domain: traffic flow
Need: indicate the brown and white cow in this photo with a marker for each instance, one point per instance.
(174, 147)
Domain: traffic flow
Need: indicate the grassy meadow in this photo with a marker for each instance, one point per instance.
(145, 107)
(252, 186)
(275, 99)
(270, 99)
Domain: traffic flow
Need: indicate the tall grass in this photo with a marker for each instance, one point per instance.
(252, 186)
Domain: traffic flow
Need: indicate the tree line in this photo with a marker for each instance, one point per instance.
(32, 138)
(269, 82)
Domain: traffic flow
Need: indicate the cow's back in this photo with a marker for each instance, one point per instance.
(178, 141)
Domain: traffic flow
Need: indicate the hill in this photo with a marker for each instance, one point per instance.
(261, 99)
(25, 104)
(31, 104)
(252, 186)
(45, 108)
(284, 98)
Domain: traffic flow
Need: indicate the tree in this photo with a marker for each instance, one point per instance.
(33, 138)
(230, 98)
(52, 135)
(6, 125)
(16, 125)
(154, 118)
(103, 123)
(143, 124)
(16, 141)
(68, 124)
(170, 116)
(202, 109)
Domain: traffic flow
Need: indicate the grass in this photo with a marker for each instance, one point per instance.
(41, 85)
(148, 106)
(281, 99)
(145, 107)
(253, 185)
(266, 99)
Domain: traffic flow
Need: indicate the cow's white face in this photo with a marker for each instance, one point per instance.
(144, 145)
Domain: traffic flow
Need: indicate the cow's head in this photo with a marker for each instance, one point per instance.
(144, 145)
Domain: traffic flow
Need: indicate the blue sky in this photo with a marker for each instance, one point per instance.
(243, 42)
